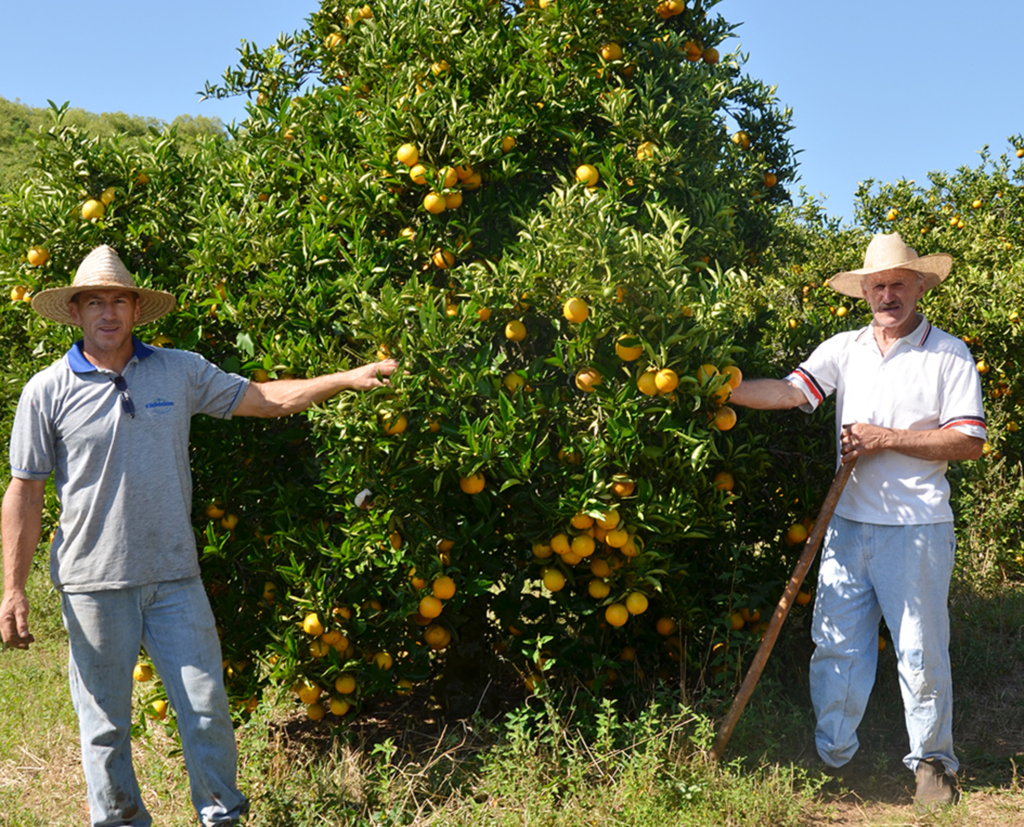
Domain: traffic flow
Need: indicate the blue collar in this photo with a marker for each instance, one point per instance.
(79, 364)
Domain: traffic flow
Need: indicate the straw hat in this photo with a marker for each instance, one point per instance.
(889, 252)
(102, 269)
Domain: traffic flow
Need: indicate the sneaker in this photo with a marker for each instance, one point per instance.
(936, 787)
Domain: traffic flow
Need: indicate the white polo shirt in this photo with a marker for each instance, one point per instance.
(926, 381)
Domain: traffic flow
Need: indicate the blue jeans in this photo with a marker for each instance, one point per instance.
(174, 622)
(901, 573)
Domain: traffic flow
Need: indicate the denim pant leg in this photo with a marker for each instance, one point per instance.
(104, 633)
(845, 631)
(180, 637)
(911, 569)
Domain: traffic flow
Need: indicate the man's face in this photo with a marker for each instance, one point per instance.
(106, 317)
(893, 296)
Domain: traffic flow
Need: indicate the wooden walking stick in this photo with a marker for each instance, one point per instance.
(782, 610)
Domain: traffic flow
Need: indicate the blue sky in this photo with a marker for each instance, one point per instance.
(882, 89)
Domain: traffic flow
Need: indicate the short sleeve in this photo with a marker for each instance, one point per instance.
(961, 404)
(215, 392)
(818, 375)
(33, 450)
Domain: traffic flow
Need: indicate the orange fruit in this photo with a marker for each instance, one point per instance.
(623, 488)
(666, 380)
(647, 384)
(308, 692)
(636, 603)
(393, 425)
(734, 376)
(439, 68)
(587, 174)
(333, 41)
(599, 567)
(611, 51)
(770, 179)
(616, 614)
(443, 588)
(311, 625)
(515, 331)
(408, 154)
(598, 589)
(588, 379)
(472, 484)
(665, 626)
(724, 419)
(513, 382)
(142, 672)
(803, 597)
(450, 176)
(453, 200)
(345, 685)
(645, 152)
(560, 543)
(576, 310)
(705, 372)
(724, 481)
(483, 313)
(339, 706)
(383, 660)
(508, 143)
(541, 551)
(617, 538)
(736, 621)
(443, 259)
(750, 615)
(710, 55)
(741, 139)
(609, 520)
(434, 203)
(93, 209)
(581, 521)
(554, 580)
(430, 606)
(38, 256)
(628, 353)
(582, 545)
(796, 533)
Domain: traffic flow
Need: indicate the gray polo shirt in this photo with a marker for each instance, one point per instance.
(124, 482)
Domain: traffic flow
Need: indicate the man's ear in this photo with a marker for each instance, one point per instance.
(76, 317)
(138, 309)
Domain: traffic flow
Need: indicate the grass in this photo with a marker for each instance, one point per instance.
(399, 765)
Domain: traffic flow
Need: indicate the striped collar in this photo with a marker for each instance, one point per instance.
(79, 364)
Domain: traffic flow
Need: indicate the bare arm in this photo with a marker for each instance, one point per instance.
(288, 396)
(949, 444)
(20, 527)
(767, 394)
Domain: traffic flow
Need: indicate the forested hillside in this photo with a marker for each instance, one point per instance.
(20, 123)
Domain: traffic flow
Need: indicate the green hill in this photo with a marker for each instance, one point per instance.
(19, 124)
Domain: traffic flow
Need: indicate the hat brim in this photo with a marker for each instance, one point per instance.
(934, 267)
(53, 303)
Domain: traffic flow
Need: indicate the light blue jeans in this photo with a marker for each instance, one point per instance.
(901, 573)
(174, 622)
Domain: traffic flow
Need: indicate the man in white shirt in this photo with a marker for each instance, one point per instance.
(908, 400)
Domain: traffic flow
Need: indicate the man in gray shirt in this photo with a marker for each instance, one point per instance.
(111, 421)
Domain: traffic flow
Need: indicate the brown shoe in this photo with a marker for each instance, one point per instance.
(936, 788)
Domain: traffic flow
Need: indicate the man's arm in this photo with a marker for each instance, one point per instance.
(288, 396)
(767, 394)
(20, 527)
(948, 444)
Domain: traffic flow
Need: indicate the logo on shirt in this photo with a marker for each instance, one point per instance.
(160, 406)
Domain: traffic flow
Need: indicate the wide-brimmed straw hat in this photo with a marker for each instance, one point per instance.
(889, 252)
(102, 269)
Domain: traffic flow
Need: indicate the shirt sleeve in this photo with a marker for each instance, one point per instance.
(818, 375)
(961, 404)
(33, 437)
(215, 392)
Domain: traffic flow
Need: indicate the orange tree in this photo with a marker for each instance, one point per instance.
(976, 214)
(541, 211)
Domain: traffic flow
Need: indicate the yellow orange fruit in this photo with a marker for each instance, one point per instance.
(418, 174)
(666, 380)
(598, 589)
(393, 425)
(628, 353)
(741, 139)
(582, 545)
(587, 379)
(508, 143)
(724, 419)
(665, 626)
(647, 384)
(796, 533)
(311, 625)
(443, 588)
(560, 543)
(554, 580)
(339, 706)
(587, 174)
(724, 481)
(93, 208)
(308, 692)
(513, 382)
(38, 256)
(142, 672)
(636, 603)
(515, 331)
(611, 51)
(345, 685)
(453, 200)
(803, 597)
(434, 203)
(616, 614)
(576, 310)
(473, 484)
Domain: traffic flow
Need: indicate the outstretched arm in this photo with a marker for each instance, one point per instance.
(20, 526)
(767, 394)
(288, 396)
